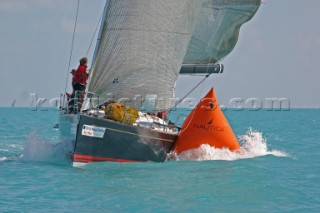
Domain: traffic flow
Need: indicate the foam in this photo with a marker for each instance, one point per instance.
(3, 159)
(252, 145)
(41, 150)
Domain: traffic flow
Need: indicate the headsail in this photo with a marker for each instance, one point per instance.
(217, 29)
(141, 50)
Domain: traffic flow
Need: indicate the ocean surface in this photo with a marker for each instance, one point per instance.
(277, 170)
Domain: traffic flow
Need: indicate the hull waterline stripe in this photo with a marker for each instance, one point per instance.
(89, 158)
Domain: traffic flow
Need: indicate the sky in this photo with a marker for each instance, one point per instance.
(277, 55)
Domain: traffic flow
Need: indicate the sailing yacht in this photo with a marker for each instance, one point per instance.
(143, 45)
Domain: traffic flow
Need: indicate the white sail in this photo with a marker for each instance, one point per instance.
(217, 29)
(141, 50)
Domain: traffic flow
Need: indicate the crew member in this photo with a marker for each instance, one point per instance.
(80, 76)
(79, 82)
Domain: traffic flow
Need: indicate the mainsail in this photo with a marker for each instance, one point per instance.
(217, 29)
(141, 50)
(144, 43)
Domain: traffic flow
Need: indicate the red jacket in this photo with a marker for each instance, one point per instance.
(80, 75)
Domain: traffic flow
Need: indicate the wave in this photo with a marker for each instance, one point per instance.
(41, 150)
(3, 159)
(253, 144)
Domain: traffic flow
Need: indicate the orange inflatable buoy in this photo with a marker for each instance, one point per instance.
(206, 124)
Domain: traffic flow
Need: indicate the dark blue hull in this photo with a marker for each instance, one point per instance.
(105, 140)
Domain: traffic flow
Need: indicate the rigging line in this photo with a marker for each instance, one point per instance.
(175, 105)
(199, 96)
(94, 34)
(74, 32)
(208, 74)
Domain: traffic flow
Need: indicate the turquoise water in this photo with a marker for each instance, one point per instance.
(277, 170)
